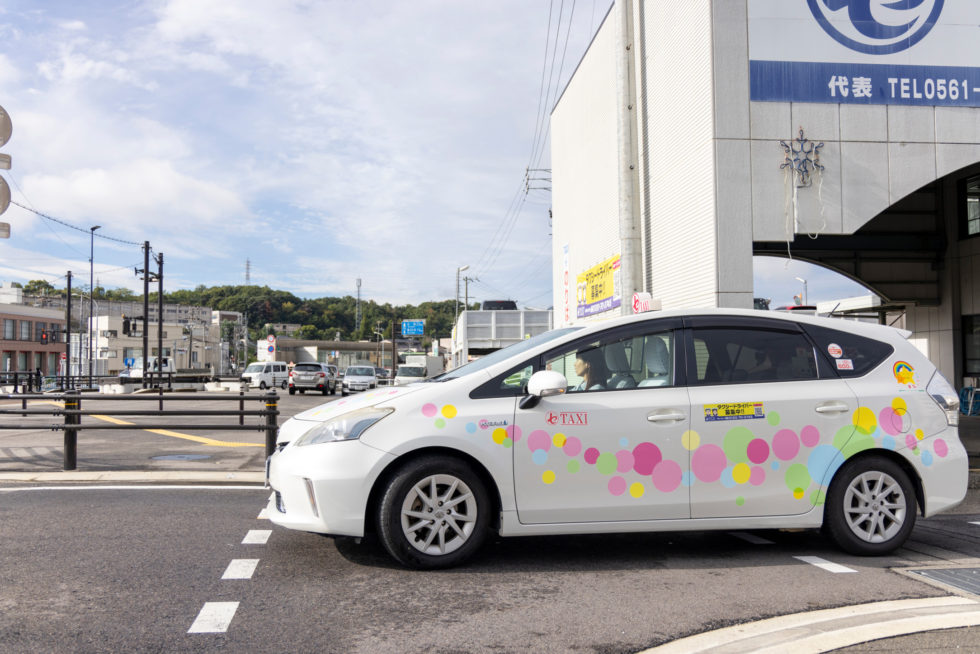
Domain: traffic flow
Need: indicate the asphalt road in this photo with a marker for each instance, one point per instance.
(93, 569)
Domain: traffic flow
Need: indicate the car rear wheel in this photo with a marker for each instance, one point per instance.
(870, 507)
(435, 513)
(262, 385)
(284, 384)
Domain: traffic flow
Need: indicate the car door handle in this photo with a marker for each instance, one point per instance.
(669, 416)
(831, 407)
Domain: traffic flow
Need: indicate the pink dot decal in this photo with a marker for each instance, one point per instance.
(890, 421)
(572, 446)
(515, 433)
(940, 448)
(758, 476)
(911, 442)
(786, 444)
(758, 451)
(810, 436)
(539, 440)
(646, 457)
(617, 486)
(667, 476)
(429, 410)
(591, 455)
(624, 461)
(708, 462)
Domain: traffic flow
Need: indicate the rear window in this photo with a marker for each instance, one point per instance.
(746, 355)
(851, 355)
(307, 367)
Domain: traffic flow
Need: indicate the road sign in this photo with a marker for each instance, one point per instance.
(271, 338)
(63, 356)
(6, 127)
(128, 361)
(4, 195)
(413, 327)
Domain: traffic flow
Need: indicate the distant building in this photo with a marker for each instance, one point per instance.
(31, 338)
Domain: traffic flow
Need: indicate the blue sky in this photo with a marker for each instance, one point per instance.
(323, 141)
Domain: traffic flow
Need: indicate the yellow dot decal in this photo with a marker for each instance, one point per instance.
(499, 435)
(741, 473)
(548, 477)
(691, 440)
(864, 420)
(919, 434)
(798, 493)
(449, 411)
(559, 440)
(637, 489)
(898, 404)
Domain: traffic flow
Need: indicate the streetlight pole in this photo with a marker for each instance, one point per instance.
(805, 298)
(458, 270)
(91, 292)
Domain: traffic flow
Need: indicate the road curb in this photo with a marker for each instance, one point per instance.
(140, 476)
(829, 629)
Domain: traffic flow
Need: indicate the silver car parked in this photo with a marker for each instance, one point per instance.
(312, 376)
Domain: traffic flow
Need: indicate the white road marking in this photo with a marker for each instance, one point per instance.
(257, 537)
(823, 564)
(240, 569)
(214, 618)
(751, 538)
(975, 523)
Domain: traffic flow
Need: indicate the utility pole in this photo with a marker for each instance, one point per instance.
(627, 128)
(466, 291)
(357, 315)
(147, 278)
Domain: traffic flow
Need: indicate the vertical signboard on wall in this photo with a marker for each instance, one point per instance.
(598, 288)
(901, 52)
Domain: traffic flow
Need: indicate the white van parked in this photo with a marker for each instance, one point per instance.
(266, 375)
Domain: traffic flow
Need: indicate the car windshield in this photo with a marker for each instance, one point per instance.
(255, 367)
(506, 353)
(411, 371)
(359, 372)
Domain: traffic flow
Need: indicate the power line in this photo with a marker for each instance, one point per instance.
(75, 227)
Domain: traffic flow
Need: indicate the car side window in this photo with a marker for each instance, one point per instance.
(742, 355)
(618, 362)
(851, 355)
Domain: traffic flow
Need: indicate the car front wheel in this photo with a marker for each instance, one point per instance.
(435, 513)
(870, 507)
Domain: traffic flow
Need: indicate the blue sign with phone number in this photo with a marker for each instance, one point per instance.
(840, 83)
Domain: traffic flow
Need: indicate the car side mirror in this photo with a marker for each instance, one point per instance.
(542, 384)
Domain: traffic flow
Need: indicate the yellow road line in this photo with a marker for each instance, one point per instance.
(177, 434)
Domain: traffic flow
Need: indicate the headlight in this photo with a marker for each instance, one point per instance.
(348, 426)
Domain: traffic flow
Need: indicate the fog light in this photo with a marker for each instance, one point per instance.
(309, 492)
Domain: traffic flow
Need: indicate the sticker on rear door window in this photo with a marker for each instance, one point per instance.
(734, 411)
(835, 350)
(845, 364)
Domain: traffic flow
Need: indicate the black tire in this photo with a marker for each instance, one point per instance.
(262, 385)
(871, 507)
(425, 487)
(283, 384)
(325, 390)
(292, 391)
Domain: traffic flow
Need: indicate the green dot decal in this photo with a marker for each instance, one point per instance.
(773, 418)
(818, 497)
(507, 443)
(440, 423)
(573, 466)
(736, 444)
(606, 463)
(797, 479)
(740, 501)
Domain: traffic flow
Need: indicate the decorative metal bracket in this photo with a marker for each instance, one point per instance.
(803, 158)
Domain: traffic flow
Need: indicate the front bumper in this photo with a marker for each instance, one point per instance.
(324, 488)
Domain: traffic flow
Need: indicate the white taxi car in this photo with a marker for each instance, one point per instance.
(713, 419)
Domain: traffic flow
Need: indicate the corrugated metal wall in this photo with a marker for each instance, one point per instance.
(679, 203)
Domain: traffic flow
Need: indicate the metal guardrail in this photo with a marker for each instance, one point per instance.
(73, 412)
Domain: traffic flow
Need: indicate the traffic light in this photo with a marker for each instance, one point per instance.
(44, 337)
(126, 325)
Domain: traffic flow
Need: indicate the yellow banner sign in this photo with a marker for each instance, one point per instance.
(598, 288)
(734, 411)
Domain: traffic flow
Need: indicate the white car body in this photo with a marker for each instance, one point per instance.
(358, 378)
(664, 454)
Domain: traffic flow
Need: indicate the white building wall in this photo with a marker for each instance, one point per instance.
(682, 241)
(585, 178)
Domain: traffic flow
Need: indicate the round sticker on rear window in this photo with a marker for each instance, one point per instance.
(835, 350)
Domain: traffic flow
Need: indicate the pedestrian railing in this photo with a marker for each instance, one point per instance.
(74, 409)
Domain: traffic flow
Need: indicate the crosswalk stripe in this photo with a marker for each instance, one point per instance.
(257, 537)
(214, 618)
(240, 569)
(823, 564)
